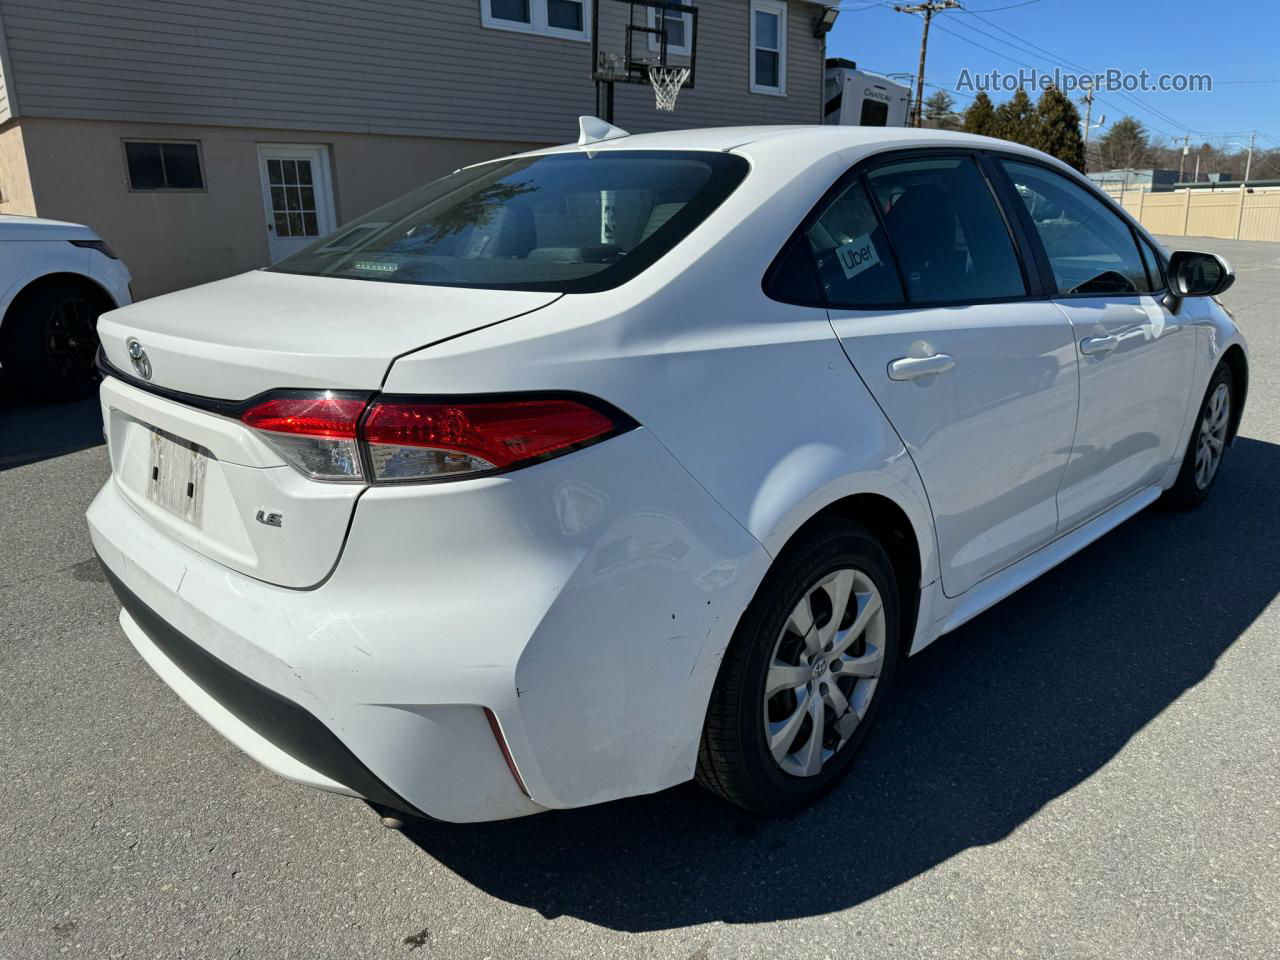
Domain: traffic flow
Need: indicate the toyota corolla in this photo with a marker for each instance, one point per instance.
(582, 473)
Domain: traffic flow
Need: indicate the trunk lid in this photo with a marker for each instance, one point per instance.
(202, 477)
(238, 337)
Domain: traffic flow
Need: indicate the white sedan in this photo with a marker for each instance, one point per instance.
(579, 474)
(56, 279)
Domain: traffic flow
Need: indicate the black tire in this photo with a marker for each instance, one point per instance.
(1187, 492)
(49, 340)
(734, 760)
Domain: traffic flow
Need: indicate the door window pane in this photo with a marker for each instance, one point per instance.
(564, 14)
(949, 235)
(517, 10)
(1090, 248)
(855, 265)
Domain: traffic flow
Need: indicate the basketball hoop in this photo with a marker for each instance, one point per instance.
(667, 82)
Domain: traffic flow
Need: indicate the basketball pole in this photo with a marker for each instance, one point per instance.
(604, 100)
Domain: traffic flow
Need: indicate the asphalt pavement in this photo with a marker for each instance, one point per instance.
(1091, 769)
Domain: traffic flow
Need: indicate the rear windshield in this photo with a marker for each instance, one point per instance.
(568, 222)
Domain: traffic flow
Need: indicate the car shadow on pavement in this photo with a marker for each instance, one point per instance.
(985, 728)
(31, 432)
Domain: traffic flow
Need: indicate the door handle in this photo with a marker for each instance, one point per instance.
(1092, 346)
(909, 368)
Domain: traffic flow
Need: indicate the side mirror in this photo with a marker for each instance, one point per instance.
(1199, 274)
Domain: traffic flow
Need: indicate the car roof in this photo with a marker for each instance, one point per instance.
(792, 148)
(13, 227)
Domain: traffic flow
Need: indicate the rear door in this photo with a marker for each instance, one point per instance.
(297, 195)
(929, 296)
(1136, 357)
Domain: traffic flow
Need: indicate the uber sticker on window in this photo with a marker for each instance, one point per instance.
(857, 255)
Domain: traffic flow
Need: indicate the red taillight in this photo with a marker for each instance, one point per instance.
(315, 432)
(414, 440)
(312, 414)
(408, 439)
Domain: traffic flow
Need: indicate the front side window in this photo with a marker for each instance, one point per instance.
(950, 238)
(570, 19)
(1090, 248)
(768, 46)
(569, 222)
(163, 166)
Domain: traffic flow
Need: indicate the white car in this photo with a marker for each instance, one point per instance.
(55, 280)
(579, 474)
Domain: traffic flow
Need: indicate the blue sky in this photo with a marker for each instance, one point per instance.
(1230, 41)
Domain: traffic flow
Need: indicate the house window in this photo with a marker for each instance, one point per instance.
(167, 165)
(769, 47)
(677, 26)
(570, 19)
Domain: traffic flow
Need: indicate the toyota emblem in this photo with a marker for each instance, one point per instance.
(138, 356)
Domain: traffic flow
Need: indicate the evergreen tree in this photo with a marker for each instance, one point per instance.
(980, 117)
(1058, 132)
(939, 111)
(1017, 120)
(1126, 146)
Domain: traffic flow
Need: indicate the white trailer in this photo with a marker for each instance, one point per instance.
(857, 98)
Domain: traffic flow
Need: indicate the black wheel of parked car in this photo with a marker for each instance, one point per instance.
(805, 674)
(1208, 443)
(49, 339)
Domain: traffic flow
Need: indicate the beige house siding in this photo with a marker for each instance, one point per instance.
(7, 110)
(15, 181)
(172, 240)
(406, 67)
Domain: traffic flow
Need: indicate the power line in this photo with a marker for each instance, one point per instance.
(928, 8)
(1023, 63)
(1059, 60)
(1024, 3)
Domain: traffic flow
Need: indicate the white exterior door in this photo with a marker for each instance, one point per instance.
(1136, 358)
(977, 377)
(297, 195)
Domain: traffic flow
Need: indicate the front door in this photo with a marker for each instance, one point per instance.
(297, 195)
(977, 377)
(1136, 357)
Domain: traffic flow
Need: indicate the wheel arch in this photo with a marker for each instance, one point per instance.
(892, 526)
(33, 283)
(1238, 364)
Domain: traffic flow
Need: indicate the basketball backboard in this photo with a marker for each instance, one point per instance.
(631, 37)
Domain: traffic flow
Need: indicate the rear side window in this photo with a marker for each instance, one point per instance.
(854, 261)
(1090, 248)
(569, 222)
(951, 240)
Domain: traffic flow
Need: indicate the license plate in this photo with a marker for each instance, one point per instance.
(176, 473)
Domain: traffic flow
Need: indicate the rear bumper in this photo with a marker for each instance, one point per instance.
(273, 729)
(584, 603)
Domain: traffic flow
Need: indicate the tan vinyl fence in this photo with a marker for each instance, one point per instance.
(1233, 214)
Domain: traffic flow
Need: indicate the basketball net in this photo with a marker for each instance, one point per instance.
(667, 82)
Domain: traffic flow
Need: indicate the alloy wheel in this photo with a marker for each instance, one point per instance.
(826, 664)
(1212, 438)
(71, 338)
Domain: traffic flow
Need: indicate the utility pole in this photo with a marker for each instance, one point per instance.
(1087, 99)
(1248, 163)
(927, 8)
(1182, 161)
